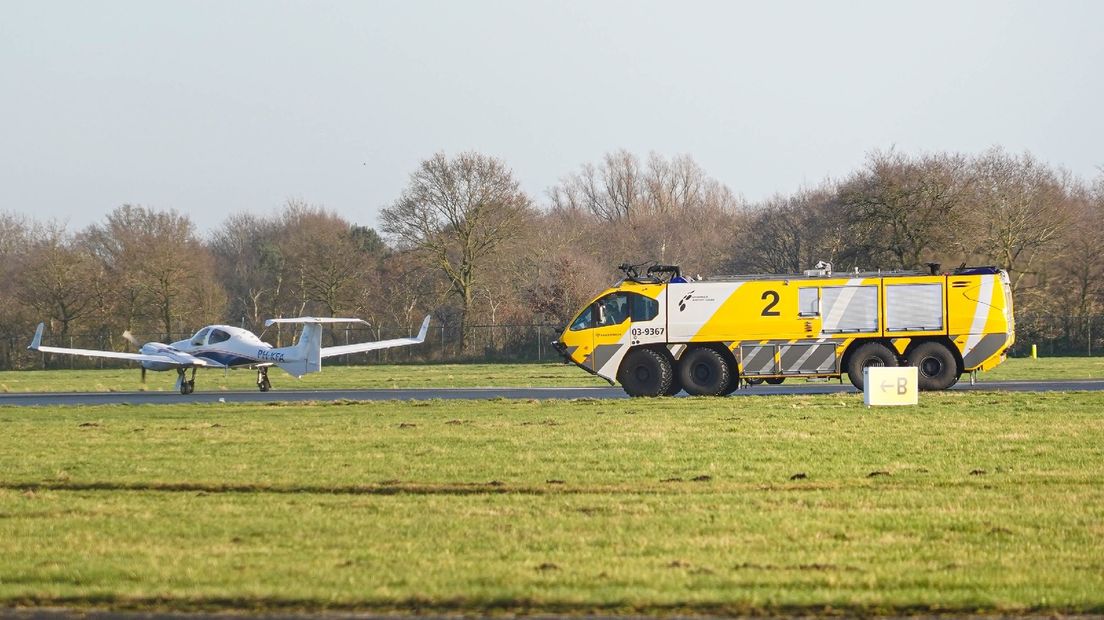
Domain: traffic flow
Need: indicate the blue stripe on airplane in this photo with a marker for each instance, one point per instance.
(226, 359)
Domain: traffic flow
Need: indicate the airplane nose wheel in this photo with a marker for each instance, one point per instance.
(263, 384)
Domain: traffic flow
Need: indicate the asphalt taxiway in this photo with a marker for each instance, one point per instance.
(482, 393)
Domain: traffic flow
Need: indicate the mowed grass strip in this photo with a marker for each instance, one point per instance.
(388, 376)
(970, 501)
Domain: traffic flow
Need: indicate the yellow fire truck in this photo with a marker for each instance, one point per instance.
(659, 333)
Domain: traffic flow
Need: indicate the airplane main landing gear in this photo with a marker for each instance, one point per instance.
(186, 386)
(263, 384)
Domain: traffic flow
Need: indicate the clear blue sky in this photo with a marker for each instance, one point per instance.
(214, 107)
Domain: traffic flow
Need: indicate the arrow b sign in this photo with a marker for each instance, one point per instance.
(889, 386)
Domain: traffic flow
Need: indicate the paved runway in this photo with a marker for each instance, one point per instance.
(144, 398)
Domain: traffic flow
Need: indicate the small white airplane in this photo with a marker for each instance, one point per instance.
(225, 346)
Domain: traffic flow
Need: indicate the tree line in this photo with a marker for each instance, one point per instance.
(464, 242)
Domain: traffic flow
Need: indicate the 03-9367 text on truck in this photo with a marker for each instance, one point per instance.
(660, 333)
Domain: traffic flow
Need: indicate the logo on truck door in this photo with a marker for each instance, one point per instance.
(692, 297)
(685, 298)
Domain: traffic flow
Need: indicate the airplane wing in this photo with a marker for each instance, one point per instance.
(314, 319)
(379, 344)
(176, 358)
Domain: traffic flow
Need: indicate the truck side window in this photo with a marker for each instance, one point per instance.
(808, 301)
(613, 309)
(643, 308)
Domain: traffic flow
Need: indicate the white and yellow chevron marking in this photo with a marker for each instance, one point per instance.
(981, 314)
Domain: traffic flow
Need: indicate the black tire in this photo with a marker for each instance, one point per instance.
(676, 387)
(704, 372)
(264, 385)
(733, 384)
(754, 380)
(645, 372)
(775, 380)
(187, 387)
(869, 354)
(936, 366)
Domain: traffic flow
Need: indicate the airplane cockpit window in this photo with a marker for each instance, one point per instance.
(217, 335)
(200, 336)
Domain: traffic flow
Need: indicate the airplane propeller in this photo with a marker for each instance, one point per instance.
(129, 337)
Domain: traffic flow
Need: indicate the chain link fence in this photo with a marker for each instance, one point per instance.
(1059, 335)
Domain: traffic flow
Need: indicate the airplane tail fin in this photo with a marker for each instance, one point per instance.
(306, 356)
(36, 342)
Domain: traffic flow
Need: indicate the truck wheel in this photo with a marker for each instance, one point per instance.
(869, 354)
(775, 380)
(936, 368)
(704, 372)
(645, 372)
(675, 388)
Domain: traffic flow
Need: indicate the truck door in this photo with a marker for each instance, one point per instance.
(597, 334)
(579, 337)
(612, 313)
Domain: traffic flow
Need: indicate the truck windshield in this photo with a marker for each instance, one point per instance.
(585, 320)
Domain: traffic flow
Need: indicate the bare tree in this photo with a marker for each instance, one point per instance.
(622, 189)
(457, 212)
(1019, 211)
(664, 210)
(58, 278)
(250, 266)
(15, 240)
(786, 234)
(328, 258)
(158, 270)
(905, 210)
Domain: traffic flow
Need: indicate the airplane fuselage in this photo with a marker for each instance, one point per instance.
(222, 345)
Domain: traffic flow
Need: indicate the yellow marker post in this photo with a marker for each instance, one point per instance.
(890, 386)
(1034, 352)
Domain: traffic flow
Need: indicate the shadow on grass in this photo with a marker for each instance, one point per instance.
(113, 606)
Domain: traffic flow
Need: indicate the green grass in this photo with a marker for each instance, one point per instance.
(968, 502)
(434, 375)
(331, 377)
(1046, 368)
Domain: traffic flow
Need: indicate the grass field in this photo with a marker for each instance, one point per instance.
(433, 375)
(331, 377)
(990, 502)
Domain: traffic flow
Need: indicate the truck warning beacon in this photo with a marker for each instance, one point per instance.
(658, 333)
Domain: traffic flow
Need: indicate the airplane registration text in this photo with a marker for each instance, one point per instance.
(269, 356)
